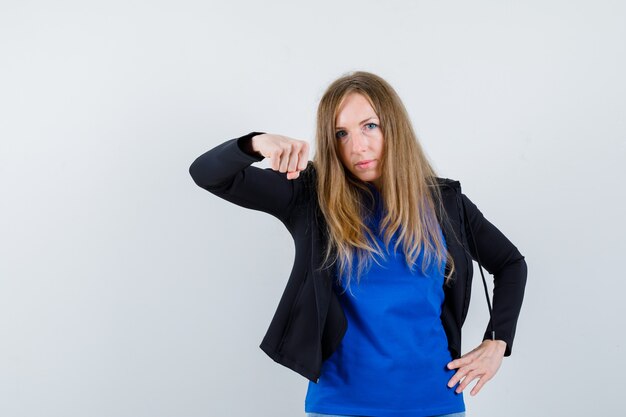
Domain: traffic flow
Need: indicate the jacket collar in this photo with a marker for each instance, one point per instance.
(447, 182)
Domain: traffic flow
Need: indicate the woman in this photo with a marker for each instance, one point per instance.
(373, 309)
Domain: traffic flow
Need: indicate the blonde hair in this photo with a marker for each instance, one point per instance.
(407, 180)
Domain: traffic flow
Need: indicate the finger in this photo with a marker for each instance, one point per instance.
(459, 375)
(462, 361)
(284, 158)
(479, 385)
(303, 156)
(455, 378)
(469, 378)
(293, 159)
(275, 157)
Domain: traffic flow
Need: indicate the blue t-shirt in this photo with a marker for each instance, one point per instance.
(392, 359)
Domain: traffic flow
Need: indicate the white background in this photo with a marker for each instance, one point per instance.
(126, 290)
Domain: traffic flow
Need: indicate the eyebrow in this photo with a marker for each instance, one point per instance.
(371, 117)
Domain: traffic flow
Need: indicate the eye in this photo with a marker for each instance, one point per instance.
(375, 125)
(339, 135)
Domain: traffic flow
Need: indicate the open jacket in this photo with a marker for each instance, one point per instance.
(309, 322)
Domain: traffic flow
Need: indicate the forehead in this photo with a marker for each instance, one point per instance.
(354, 108)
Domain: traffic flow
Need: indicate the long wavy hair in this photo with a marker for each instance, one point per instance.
(409, 191)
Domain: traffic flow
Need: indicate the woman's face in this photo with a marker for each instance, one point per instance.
(359, 138)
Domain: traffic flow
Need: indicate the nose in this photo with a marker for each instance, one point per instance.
(359, 142)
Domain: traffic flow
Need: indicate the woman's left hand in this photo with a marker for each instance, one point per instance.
(483, 362)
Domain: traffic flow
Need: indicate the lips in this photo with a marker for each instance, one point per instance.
(364, 162)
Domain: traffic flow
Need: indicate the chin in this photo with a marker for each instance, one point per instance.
(367, 176)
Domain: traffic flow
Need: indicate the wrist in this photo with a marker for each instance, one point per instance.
(246, 145)
(497, 342)
(501, 344)
(254, 142)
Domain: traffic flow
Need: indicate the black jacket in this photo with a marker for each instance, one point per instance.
(309, 322)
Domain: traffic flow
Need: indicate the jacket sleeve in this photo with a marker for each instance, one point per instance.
(227, 172)
(507, 265)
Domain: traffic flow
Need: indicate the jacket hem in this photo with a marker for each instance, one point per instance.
(289, 363)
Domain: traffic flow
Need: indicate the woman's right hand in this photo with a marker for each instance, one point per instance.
(286, 154)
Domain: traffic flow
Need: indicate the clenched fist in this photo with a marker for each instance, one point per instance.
(287, 154)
